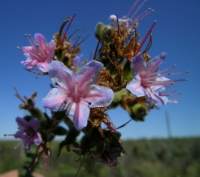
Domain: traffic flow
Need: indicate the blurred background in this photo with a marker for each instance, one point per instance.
(166, 143)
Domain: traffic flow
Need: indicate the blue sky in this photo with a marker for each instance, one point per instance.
(176, 33)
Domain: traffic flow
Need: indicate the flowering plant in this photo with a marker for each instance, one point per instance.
(120, 73)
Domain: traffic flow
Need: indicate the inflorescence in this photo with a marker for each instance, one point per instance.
(120, 73)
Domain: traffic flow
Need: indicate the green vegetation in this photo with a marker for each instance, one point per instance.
(178, 157)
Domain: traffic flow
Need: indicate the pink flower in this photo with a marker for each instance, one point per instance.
(149, 81)
(75, 92)
(28, 132)
(39, 54)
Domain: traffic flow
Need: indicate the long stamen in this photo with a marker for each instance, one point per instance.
(146, 13)
(66, 25)
(171, 71)
(70, 22)
(163, 83)
(73, 34)
(134, 7)
(159, 98)
(30, 39)
(147, 35)
(149, 44)
(138, 8)
(83, 40)
(78, 38)
(63, 25)
(154, 67)
(96, 50)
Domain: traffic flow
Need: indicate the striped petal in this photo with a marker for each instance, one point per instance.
(89, 71)
(59, 73)
(40, 39)
(55, 99)
(99, 96)
(79, 114)
(135, 87)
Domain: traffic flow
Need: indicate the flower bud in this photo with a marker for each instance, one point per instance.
(118, 97)
(102, 32)
(138, 111)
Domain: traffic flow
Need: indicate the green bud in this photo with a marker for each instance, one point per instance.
(138, 111)
(118, 97)
(102, 31)
(99, 31)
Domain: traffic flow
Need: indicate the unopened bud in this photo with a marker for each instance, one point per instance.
(102, 31)
(138, 111)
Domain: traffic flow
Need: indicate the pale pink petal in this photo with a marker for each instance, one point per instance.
(26, 50)
(44, 67)
(79, 114)
(154, 97)
(99, 96)
(135, 87)
(89, 71)
(39, 38)
(159, 83)
(59, 70)
(59, 73)
(95, 65)
(55, 99)
(28, 63)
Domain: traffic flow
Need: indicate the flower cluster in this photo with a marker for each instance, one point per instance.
(121, 73)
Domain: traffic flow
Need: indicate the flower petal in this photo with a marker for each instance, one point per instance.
(43, 67)
(79, 114)
(89, 71)
(59, 73)
(158, 98)
(154, 97)
(39, 38)
(160, 83)
(55, 99)
(95, 65)
(99, 96)
(155, 63)
(26, 50)
(57, 68)
(135, 87)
